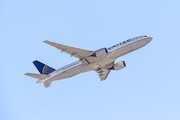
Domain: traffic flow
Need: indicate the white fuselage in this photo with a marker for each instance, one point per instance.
(114, 52)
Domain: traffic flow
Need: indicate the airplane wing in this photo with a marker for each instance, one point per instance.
(104, 71)
(103, 74)
(76, 52)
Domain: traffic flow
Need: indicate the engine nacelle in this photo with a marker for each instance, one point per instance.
(100, 53)
(119, 65)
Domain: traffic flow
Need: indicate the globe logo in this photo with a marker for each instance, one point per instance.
(46, 70)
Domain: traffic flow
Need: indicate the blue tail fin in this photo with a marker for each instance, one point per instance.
(42, 68)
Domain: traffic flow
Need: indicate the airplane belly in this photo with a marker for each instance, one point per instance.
(70, 72)
(74, 71)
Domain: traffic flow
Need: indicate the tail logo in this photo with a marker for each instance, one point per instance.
(42, 68)
(46, 70)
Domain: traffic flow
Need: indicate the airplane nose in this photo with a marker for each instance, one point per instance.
(149, 39)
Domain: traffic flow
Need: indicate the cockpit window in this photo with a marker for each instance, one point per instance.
(145, 36)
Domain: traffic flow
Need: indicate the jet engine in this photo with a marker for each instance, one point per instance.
(119, 65)
(100, 53)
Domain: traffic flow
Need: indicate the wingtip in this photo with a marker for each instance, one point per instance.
(27, 74)
(45, 41)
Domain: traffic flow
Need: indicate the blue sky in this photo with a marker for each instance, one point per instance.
(148, 88)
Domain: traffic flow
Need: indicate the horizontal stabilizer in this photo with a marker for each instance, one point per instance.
(37, 76)
(47, 83)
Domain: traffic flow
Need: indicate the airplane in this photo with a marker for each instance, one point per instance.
(101, 61)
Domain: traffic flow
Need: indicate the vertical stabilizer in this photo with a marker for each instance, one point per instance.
(42, 68)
